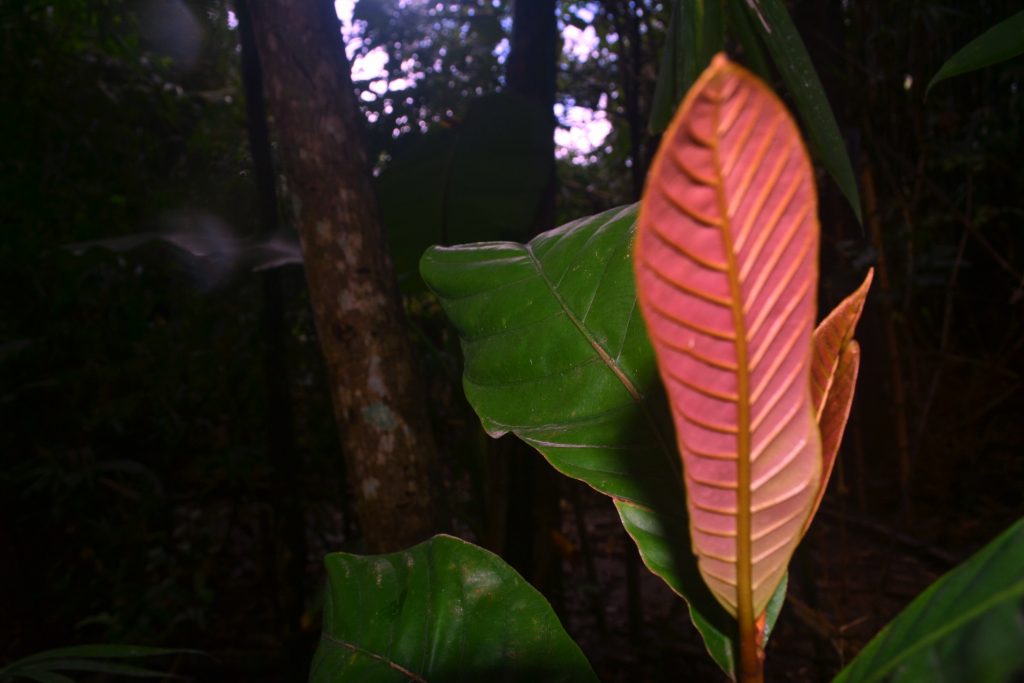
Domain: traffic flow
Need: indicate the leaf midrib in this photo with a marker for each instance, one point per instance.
(744, 550)
(606, 358)
(374, 656)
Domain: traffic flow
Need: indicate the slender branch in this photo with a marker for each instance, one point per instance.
(899, 398)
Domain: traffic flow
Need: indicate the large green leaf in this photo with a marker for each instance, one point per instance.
(1001, 42)
(444, 610)
(557, 353)
(772, 22)
(481, 178)
(968, 625)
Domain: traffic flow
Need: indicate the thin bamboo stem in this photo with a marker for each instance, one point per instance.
(899, 393)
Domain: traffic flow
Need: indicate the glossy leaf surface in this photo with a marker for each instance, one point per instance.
(444, 610)
(968, 625)
(772, 22)
(556, 352)
(726, 267)
(1003, 41)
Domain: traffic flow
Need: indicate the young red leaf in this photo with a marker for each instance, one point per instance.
(834, 377)
(835, 414)
(831, 337)
(726, 268)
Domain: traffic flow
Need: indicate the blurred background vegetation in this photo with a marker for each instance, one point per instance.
(138, 498)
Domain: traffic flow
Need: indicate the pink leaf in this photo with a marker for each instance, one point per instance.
(834, 377)
(726, 267)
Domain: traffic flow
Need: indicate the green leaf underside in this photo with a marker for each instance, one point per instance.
(557, 353)
(444, 610)
(43, 666)
(98, 666)
(102, 652)
(772, 22)
(1003, 41)
(694, 35)
(42, 676)
(671, 83)
(754, 56)
(967, 626)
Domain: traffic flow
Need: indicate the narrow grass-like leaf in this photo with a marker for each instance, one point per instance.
(726, 268)
(711, 36)
(39, 676)
(672, 79)
(695, 34)
(967, 626)
(43, 665)
(772, 22)
(1003, 41)
(754, 56)
(103, 651)
(99, 666)
(442, 611)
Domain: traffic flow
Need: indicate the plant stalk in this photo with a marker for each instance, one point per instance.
(751, 654)
(899, 393)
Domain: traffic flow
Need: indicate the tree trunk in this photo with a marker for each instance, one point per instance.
(287, 563)
(630, 52)
(532, 61)
(380, 409)
(532, 515)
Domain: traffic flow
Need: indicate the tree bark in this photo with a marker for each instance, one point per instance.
(532, 62)
(286, 564)
(630, 51)
(380, 409)
(532, 515)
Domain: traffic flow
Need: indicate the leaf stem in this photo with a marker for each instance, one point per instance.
(752, 653)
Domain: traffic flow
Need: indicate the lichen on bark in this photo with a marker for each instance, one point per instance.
(382, 419)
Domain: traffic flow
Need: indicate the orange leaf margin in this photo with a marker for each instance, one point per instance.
(834, 377)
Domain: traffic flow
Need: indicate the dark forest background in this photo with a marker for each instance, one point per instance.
(171, 470)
